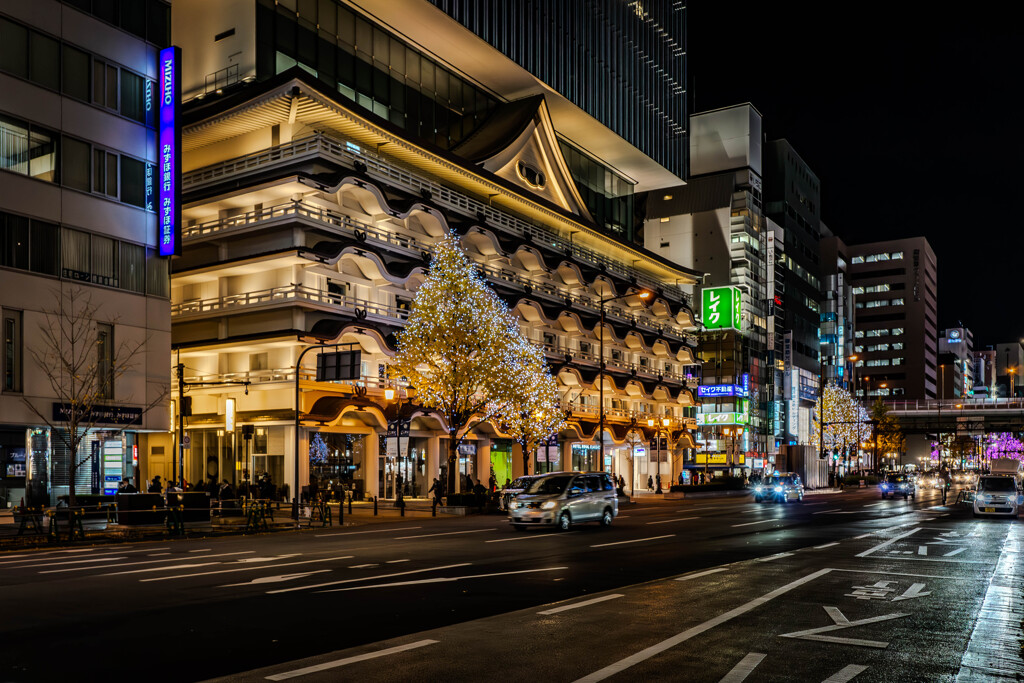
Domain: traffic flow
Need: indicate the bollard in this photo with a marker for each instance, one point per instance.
(341, 512)
(402, 508)
(375, 506)
(350, 503)
(433, 508)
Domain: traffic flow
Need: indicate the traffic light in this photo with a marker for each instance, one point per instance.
(835, 457)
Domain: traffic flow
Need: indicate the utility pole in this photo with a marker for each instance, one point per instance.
(181, 421)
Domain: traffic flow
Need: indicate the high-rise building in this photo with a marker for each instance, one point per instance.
(1009, 363)
(328, 147)
(956, 363)
(77, 233)
(715, 224)
(792, 201)
(985, 372)
(894, 288)
(837, 307)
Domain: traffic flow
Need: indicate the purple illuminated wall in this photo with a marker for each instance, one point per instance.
(169, 153)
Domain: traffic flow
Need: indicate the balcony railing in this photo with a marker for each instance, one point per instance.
(285, 295)
(322, 145)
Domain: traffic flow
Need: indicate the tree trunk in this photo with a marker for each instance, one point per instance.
(452, 461)
(526, 458)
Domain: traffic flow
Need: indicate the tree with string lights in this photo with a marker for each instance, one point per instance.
(844, 419)
(1003, 445)
(463, 353)
(535, 413)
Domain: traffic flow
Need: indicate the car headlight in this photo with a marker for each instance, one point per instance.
(903, 486)
(548, 505)
(758, 489)
(883, 487)
(778, 489)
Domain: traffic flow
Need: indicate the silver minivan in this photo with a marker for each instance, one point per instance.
(565, 498)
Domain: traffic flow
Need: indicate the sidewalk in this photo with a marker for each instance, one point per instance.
(98, 531)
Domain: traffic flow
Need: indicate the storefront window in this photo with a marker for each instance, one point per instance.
(585, 457)
(501, 461)
(409, 462)
(467, 464)
(336, 461)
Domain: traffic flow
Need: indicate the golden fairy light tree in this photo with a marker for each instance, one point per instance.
(463, 353)
(533, 408)
(844, 419)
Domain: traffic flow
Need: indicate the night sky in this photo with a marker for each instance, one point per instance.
(913, 125)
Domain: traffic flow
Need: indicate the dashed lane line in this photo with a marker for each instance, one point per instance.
(825, 512)
(368, 578)
(349, 660)
(527, 537)
(446, 533)
(635, 540)
(846, 674)
(442, 579)
(132, 564)
(243, 569)
(746, 666)
(776, 556)
(886, 544)
(670, 521)
(826, 545)
(375, 531)
(763, 521)
(703, 573)
(577, 605)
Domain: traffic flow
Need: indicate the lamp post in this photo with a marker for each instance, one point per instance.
(389, 395)
(665, 422)
(644, 295)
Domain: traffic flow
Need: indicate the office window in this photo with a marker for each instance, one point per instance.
(104, 84)
(133, 268)
(105, 360)
(42, 154)
(44, 60)
(14, 241)
(75, 254)
(158, 281)
(13, 145)
(75, 80)
(104, 261)
(75, 164)
(133, 182)
(45, 248)
(104, 172)
(132, 104)
(11, 370)
(13, 48)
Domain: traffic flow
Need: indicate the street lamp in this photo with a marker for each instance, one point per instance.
(665, 422)
(644, 295)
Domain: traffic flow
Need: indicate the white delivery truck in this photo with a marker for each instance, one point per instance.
(1000, 492)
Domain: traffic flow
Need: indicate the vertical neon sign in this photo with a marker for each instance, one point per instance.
(169, 153)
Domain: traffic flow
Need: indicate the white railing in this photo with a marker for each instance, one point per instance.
(953, 406)
(285, 295)
(321, 144)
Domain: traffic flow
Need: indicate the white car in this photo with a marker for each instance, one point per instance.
(998, 494)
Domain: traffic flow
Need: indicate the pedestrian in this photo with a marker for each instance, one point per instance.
(435, 488)
(492, 483)
(657, 480)
(680, 477)
(156, 486)
(622, 483)
(650, 483)
(128, 487)
(226, 491)
(399, 492)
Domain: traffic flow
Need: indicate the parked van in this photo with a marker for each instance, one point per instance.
(565, 498)
(998, 494)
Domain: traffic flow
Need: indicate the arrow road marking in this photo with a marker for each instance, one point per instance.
(913, 592)
(954, 552)
(842, 622)
(886, 544)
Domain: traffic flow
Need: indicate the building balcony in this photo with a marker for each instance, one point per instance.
(286, 295)
(320, 145)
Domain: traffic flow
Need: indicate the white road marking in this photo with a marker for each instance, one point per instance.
(585, 603)
(954, 552)
(886, 544)
(363, 566)
(375, 531)
(700, 574)
(913, 592)
(825, 512)
(922, 550)
(157, 554)
(668, 643)
(349, 660)
(621, 516)
(846, 674)
(873, 505)
(266, 559)
(132, 564)
(61, 564)
(243, 569)
(395, 561)
(201, 550)
(635, 540)
(746, 666)
(275, 579)
(527, 537)
(669, 521)
(857, 538)
(840, 622)
(8, 559)
(827, 545)
(883, 572)
(369, 578)
(776, 556)
(763, 521)
(441, 579)
(161, 569)
(447, 533)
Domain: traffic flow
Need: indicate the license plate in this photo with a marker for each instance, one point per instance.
(988, 509)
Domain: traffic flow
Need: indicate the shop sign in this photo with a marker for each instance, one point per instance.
(169, 153)
(107, 415)
(720, 308)
(720, 459)
(712, 390)
(722, 418)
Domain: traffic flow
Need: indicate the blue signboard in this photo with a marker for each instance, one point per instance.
(713, 390)
(169, 153)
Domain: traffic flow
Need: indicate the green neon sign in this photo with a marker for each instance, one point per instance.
(720, 308)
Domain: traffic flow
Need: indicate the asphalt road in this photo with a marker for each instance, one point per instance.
(840, 587)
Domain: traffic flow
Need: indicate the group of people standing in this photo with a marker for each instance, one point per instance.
(263, 487)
